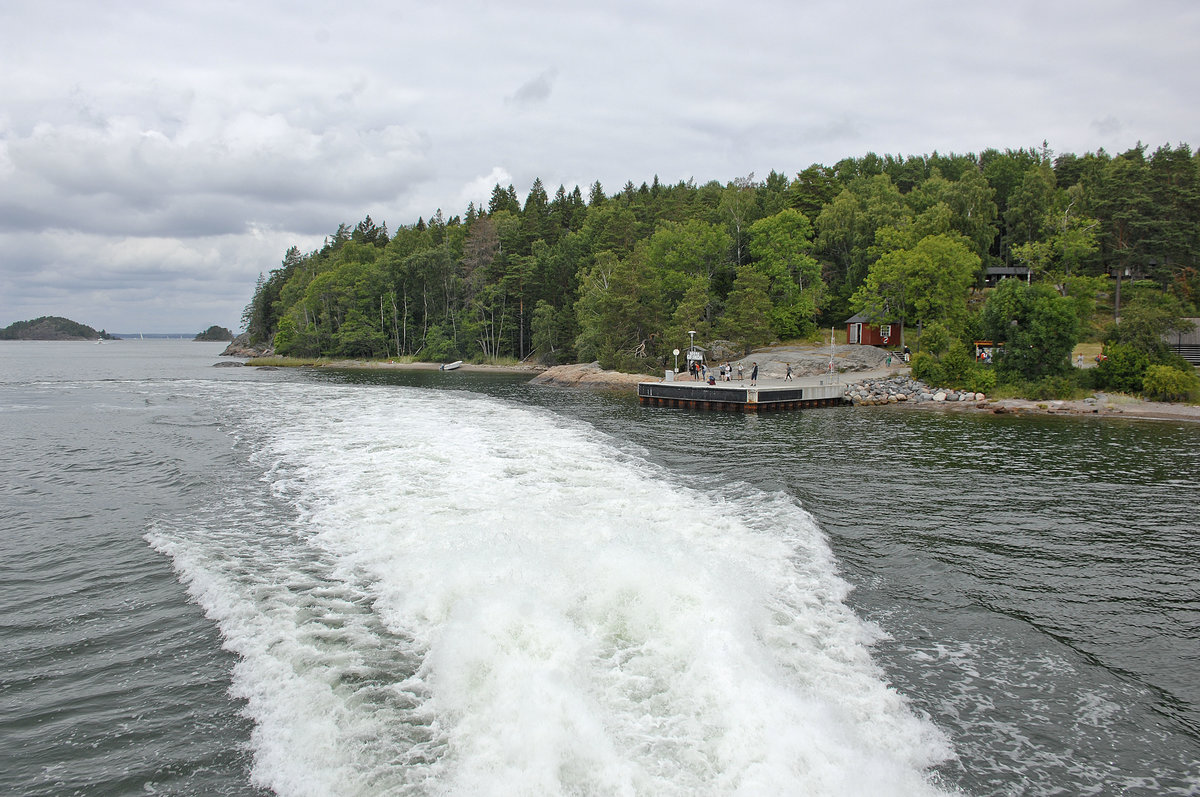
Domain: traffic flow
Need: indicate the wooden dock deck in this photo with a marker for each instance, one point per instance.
(741, 397)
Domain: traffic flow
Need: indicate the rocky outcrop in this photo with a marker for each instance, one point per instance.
(241, 347)
(809, 361)
(897, 389)
(587, 375)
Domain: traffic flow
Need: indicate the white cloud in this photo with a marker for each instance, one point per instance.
(479, 190)
(152, 144)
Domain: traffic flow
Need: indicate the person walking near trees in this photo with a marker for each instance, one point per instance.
(753, 374)
(788, 376)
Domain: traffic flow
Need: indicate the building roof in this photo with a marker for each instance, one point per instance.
(859, 318)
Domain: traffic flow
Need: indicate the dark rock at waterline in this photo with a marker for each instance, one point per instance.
(228, 364)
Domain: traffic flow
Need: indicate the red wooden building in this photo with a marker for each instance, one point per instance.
(859, 329)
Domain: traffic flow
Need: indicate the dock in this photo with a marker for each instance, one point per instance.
(741, 397)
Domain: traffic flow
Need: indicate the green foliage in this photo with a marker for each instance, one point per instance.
(50, 327)
(619, 311)
(957, 365)
(925, 283)
(1037, 327)
(1147, 321)
(357, 337)
(439, 345)
(957, 370)
(215, 333)
(927, 369)
(551, 328)
(286, 336)
(901, 237)
(1164, 383)
(1050, 388)
(746, 314)
(1123, 369)
(981, 379)
(935, 339)
(780, 245)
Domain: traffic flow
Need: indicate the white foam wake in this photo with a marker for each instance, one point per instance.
(476, 598)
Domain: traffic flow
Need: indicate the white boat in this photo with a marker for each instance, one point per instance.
(451, 366)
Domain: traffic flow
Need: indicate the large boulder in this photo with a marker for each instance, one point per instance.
(241, 347)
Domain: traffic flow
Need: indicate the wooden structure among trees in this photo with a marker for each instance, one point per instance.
(1187, 344)
(860, 329)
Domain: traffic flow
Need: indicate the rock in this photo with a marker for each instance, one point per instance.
(241, 347)
(939, 396)
(228, 364)
(588, 375)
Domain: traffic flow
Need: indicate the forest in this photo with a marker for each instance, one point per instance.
(623, 277)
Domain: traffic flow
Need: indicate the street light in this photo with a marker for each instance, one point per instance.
(676, 353)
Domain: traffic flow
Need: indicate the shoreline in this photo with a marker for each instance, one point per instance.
(1101, 405)
(591, 377)
(376, 365)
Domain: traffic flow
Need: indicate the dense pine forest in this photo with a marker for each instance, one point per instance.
(622, 277)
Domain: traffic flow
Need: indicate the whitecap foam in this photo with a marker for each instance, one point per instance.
(475, 598)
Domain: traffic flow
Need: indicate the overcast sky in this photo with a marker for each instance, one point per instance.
(155, 157)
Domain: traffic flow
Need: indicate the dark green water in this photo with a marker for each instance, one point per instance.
(1029, 584)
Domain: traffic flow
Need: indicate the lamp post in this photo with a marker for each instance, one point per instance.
(676, 353)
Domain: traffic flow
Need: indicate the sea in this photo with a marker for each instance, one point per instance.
(248, 581)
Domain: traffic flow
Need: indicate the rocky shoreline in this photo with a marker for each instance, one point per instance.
(903, 389)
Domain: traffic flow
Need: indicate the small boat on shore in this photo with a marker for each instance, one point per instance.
(451, 366)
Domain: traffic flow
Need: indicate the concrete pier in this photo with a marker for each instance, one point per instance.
(741, 397)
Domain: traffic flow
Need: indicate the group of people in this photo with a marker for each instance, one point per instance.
(700, 371)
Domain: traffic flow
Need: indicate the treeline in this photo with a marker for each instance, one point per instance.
(623, 278)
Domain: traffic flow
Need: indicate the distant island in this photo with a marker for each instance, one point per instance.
(215, 333)
(52, 327)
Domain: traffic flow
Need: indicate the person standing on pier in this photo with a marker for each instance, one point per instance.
(739, 372)
(753, 374)
(788, 376)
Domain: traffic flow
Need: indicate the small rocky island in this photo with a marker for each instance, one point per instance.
(215, 333)
(52, 327)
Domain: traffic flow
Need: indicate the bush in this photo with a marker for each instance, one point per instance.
(1052, 387)
(1164, 383)
(957, 365)
(438, 345)
(1123, 370)
(926, 368)
(981, 379)
(935, 339)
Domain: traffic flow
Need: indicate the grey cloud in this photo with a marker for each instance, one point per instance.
(1107, 126)
(534, 91)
